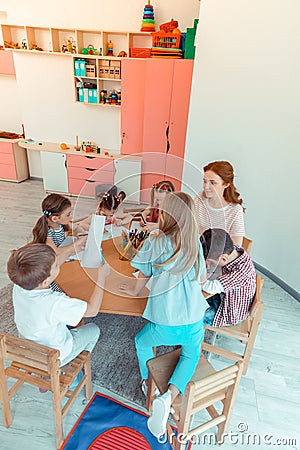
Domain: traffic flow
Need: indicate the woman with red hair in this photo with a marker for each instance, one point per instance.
(219, 204)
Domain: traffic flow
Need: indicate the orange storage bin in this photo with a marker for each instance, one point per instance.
(166, 40)
(140, 52)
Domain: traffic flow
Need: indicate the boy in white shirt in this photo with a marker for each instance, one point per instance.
(41, 314)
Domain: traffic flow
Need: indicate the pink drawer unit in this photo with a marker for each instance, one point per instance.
(83, 187)
(86, 173)
(7, 158)
(8, 171)
(91, 162)
(6, 147)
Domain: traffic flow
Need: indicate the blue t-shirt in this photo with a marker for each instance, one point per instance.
(175, 299)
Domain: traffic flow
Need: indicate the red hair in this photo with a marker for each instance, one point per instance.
(225, 171)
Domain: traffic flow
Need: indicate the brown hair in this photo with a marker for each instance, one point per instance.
(30, 265)
(225, 170)
(177, 220)
(164, 185)
(52, 205)
(108, 201)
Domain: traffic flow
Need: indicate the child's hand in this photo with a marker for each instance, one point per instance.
(118, 222)
(126, 289)
(79, 244)
(103, 271)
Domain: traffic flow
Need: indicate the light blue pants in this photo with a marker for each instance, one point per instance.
(84, 338)
(188, 336)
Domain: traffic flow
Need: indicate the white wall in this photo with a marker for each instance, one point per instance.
(245, 108)
(44, 101)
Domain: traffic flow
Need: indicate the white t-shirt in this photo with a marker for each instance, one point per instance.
(42, 316)
(230, 218)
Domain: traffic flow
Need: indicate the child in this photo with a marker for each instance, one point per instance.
(41, 314)
(175, 306)
(158, 193)
(52, 226)
(234, 289)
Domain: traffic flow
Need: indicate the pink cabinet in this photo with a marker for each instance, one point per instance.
(13, 161)
(87, 172)
(154, 117)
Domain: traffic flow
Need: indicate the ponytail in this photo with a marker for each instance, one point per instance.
(40, 231)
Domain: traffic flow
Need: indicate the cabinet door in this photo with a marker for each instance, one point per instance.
(179, 106)
(54, 171)
(158, 90)
(128, 178)
(132, 107)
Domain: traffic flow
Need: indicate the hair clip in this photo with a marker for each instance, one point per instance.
(154, 186)
(47, 213)
(165, 187)
(106, 195)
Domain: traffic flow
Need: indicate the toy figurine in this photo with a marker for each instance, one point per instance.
(110, 49)
(24, 44)
(122, 54)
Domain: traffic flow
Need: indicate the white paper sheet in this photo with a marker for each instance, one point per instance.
(92, 255)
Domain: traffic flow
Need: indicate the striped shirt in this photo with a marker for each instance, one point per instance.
(57, 236)
(230, 218)
(238, 280)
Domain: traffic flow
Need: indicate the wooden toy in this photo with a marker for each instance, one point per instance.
(122, 54)
(110, 49)
(77, 147)
(64, 146)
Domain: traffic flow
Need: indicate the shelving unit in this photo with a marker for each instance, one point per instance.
(52, 40)
(96, 74)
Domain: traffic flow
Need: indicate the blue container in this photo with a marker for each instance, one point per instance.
(82, 66)
(92, 96)
(77, 67)
(81, 94)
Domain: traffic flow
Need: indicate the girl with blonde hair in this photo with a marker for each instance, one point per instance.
(176, 305)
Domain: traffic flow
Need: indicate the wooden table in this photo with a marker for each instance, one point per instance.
(79, 282)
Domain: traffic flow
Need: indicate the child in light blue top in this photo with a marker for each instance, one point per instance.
(176, 305)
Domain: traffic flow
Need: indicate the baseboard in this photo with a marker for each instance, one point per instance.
(278, 281)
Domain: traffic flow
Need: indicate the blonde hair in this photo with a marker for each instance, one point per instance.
(177, 220)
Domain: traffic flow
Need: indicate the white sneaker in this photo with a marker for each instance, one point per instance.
(144, 388)
(157, 422)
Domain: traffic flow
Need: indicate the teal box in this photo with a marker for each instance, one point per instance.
(77, 67)
(82, 68)
(92, 96)
(81, 94)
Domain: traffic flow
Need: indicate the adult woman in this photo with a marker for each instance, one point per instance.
(219, 204)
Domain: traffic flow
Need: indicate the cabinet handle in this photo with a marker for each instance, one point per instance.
(89, 157)
(91, 181)
(91, 170)
(168, 142)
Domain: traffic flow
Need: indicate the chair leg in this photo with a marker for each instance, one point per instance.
(56, 400)
(88, 373)
(150, 393)
(6, 411)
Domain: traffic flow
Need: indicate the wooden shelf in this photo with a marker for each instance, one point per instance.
(52, 39)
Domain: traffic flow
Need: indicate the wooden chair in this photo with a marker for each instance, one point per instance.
(206, 388)
(245, 331)
(39, 365)
(247, 245)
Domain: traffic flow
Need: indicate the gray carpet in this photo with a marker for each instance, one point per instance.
(114, 363)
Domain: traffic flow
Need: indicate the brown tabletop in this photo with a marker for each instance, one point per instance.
(79, 282)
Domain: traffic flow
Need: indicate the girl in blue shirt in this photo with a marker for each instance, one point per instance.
(176, 305)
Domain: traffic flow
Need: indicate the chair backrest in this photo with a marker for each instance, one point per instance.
(257, 301)
(41, 359)
(247, 245)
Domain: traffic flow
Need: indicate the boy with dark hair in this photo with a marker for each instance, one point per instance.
(41, 314)
(234, 288)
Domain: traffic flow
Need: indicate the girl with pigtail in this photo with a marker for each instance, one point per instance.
(219, 204)
(52, 227)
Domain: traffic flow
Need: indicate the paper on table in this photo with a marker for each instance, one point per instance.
(92, 255)
(149, 282)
